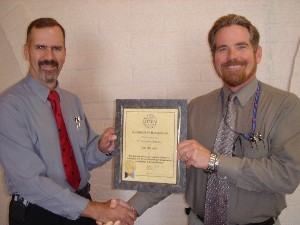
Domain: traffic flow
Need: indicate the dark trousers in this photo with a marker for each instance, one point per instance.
(35, 215)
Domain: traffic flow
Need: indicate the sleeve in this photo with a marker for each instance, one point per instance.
(93, 156)
(142, 201)
(88, 142)
(279, 170)
(25, 170)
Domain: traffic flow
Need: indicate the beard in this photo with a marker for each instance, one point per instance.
(46, 75)
(234, 78)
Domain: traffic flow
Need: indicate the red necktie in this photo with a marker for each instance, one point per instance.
(68, 158)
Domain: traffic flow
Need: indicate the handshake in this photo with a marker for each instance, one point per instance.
(112, 212)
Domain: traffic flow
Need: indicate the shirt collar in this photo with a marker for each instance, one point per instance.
(245, 93)
(38, 88)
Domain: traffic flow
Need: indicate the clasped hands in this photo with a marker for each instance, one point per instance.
(115, 204)
(114, 211)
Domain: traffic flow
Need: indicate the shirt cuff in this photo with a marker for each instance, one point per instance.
(80, 204)
(228, 168)
(142, 201)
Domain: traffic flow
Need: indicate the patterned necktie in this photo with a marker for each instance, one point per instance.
(216, 203)
(68, 158)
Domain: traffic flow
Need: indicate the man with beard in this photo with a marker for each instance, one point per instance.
(47, 145)
(239, 176)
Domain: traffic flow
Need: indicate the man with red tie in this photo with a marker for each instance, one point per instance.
(47, 145)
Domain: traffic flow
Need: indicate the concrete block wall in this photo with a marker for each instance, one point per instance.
(147, 49)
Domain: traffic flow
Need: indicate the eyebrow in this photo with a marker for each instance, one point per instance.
(242, 43)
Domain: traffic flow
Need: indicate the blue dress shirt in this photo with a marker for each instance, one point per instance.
(30, 151)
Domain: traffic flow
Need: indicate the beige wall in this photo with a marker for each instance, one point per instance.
(147, 49)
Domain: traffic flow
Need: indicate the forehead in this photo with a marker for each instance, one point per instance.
(231, 35)
(47, 36)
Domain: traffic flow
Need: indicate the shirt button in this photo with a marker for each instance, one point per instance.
(225, 177)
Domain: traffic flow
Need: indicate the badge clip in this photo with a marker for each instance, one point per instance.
(77, 121)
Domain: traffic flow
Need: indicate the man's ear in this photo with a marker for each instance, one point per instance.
(26, 51)
(258, 54)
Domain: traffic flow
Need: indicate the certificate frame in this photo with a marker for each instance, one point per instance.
(136, 121)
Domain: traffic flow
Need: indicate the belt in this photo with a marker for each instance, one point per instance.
(84, 192)
(20, 199)
(269, 221)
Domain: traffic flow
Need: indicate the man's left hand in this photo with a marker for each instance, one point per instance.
(107, 142)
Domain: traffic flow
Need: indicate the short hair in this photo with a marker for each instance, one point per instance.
(232, 19)
(42, 23)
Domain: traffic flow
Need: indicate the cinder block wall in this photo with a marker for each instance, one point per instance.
(146, 49)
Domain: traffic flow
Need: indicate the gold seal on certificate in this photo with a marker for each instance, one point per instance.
(148, 133)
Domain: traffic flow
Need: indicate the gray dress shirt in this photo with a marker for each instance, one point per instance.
(260, 174)
(30, 150)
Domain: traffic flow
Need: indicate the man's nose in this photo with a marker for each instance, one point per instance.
(232, 53)
(49, 54)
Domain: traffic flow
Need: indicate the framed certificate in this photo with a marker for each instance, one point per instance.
(148, 132)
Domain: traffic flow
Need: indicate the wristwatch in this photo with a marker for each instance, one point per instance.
(213, 164)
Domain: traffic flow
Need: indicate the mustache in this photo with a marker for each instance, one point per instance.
(48, 63)
(234, 62)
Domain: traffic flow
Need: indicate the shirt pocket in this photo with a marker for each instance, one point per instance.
(255, 150)
(80, 133)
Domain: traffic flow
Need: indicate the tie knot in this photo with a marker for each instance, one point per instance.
(231, 97)
(53, 95)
